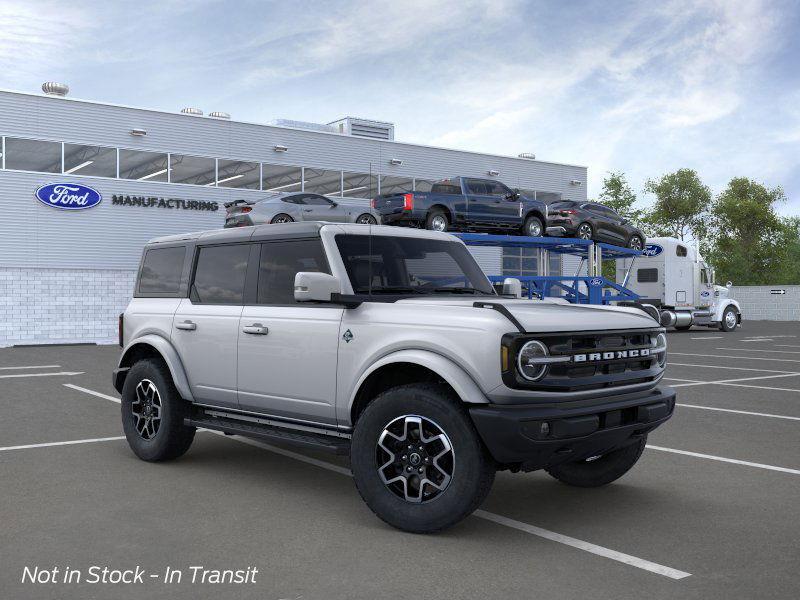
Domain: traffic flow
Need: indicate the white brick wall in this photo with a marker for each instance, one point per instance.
(759, 304)
(61, 306)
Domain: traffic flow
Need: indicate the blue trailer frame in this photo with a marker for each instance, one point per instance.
(599, 290)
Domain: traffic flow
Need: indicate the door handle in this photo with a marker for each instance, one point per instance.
(256, 329)
(308, 209)
(186, 326)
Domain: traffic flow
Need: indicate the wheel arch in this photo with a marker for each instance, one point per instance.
(411, 366)
(535, 212)
(153, 346)
(444, 208)
(723, 306)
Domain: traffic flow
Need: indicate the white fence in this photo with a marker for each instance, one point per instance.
(768, 302)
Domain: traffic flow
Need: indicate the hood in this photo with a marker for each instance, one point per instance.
(720, 291)
(541, 316)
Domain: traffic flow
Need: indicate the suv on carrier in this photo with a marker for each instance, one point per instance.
(389, 345)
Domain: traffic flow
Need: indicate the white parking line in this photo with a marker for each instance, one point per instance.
(726, 460)
(673, 364)
(634, 561)
(67, 443)
(17, 375)
(739, 412)
(708, 337)
(759, 350)
(732, 381)
(92, 392)
(787, 346)
(739, 357)
(31, 367)
(758, 340)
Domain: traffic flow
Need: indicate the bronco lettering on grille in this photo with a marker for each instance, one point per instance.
(616, 355)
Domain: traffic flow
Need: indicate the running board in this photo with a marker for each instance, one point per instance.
(313, 441)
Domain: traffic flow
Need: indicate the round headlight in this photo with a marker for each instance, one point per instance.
(527, 363)
(660, 342)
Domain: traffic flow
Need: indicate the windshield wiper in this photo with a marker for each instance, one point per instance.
(458, 290)
(389, 289)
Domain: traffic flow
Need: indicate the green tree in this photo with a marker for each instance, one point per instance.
(618, 195)
(749, 243)
(681, 205)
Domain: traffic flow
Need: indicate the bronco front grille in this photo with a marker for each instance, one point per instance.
(593, 360)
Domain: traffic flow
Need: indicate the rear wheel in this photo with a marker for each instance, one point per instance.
(584, 231)
(533, 227)
(282, 218)
(437, 220)
(367, 219)
(599, 470)
(635, 243)
(153, 413)
(729, 320)
(417, 460)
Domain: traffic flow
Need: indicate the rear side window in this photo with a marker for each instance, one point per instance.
(647, 275)
(161, 270)
(446, 187)
(220, 273)
(280, 262)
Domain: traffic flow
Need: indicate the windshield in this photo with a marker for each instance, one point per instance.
(405, 265)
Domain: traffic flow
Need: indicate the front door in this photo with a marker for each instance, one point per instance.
(287, 350)
(205, 328)
(320, 208)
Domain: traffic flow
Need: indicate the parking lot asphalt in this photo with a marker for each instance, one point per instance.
(710, 511)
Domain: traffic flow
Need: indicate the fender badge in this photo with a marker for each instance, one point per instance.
(348, 336)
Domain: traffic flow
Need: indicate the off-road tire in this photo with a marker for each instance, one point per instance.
(473, 468)
(530, 223)
(434, 215)
(172, 438)
(600, 471)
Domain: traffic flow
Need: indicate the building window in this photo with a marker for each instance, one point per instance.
(280, 178)
(33, 155)
(360, 185)
(423, 185)
(396, 185)
(322, 181)
(96, 161)
(238, 174)
(194, 170)
(143, 166)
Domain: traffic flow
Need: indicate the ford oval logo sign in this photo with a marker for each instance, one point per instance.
(68, 196)
(652, 250)
(705, 294)
(595, 281)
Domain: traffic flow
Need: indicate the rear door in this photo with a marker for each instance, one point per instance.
(205, 328)
(288, 350)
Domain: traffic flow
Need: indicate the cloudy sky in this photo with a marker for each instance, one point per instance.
(641, 87)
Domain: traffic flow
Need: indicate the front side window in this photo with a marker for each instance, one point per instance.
(495, 188)
(476, 186)
(400, 265)
(220, 273)
(33, 155)
(315, 200)
(280, 262)
(161, 270)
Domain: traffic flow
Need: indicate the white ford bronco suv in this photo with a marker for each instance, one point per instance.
(389, 345)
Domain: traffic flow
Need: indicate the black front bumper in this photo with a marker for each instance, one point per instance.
(533, 437)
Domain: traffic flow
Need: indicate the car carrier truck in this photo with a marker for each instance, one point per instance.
(672, 279)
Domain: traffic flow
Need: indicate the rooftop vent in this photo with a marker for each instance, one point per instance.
(219, 115)
(192, 111)
(527, 155)
(376, 130)
(303, 125)
(51, 88)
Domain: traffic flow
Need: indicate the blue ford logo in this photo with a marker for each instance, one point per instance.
(652, 250)
(705, 293)
(595, 281)
(68, 196)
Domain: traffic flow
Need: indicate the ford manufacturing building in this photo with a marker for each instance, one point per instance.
(65, 275)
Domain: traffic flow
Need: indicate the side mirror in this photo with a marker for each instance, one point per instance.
(729, 285)
(512, 287)
(315, 287)
(334, 204)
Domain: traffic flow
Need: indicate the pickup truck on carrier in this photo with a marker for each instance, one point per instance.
(464, 203)
(389, 345)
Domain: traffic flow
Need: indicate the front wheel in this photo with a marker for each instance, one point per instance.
(584, 231)
(599, 470)
(417, 459)
(153, 413)
(729, 320)
(366, 219)
(635, 243)
(533, 227)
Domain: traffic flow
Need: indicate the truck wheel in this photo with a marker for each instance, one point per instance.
(153, 413)
(729, 320)
(417, 459)
(437, 220)
(533, 227)
(599, 470)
